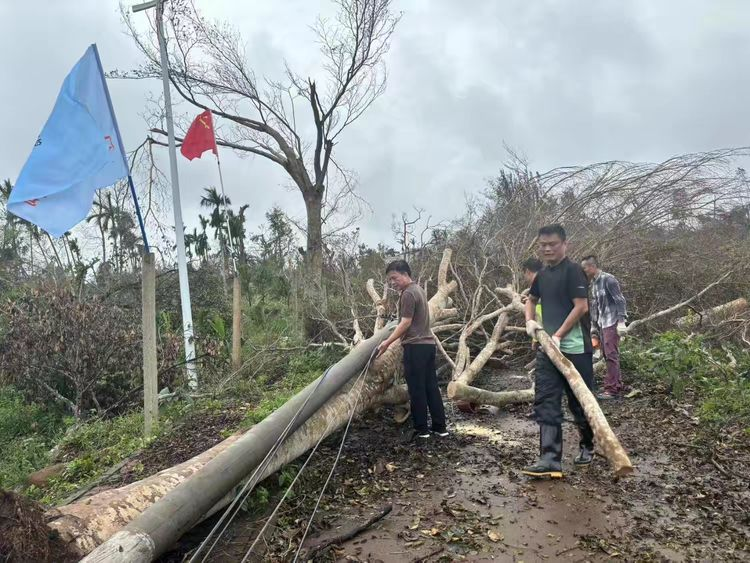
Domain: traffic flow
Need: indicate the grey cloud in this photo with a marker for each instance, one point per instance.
(565, 82)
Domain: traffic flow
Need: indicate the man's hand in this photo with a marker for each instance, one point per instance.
(595, 341)
(622, 330)
(382, 347)
(531, 327)
(556, 340)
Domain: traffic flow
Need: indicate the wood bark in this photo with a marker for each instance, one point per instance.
(236, 323)
(605, 437)
(378, 303)
(150, 365)
(465, 370)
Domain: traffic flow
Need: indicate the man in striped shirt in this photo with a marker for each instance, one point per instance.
(608, 314)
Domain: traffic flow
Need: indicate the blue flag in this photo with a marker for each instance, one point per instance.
(78, 152)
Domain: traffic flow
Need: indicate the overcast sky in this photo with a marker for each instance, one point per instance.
(565, 82)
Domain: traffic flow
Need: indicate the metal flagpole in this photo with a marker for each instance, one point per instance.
(187, 316)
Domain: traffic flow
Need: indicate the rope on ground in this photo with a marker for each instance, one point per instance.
(283, 498)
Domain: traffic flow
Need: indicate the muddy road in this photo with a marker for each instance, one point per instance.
(463, 498)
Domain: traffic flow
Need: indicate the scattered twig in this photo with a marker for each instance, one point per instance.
(720, 468)
(428, 556)
(341, 538)
(571, 548)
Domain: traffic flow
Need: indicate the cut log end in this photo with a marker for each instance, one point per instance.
(624, 471)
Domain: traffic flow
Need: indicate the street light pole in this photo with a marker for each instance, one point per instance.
(187, 315)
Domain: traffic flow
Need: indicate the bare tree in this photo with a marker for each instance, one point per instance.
(209, 69)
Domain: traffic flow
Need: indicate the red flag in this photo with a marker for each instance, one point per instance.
(200, 137)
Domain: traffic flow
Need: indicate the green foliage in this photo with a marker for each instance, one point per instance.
(287, 475)
(97, 445)
(691, 366)
(90, 451)
(27, 433)
(257, 500)
(300, 370)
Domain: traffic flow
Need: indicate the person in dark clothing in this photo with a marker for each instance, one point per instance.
(419, 352)
(562, 287)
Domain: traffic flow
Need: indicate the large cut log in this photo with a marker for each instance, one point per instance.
(149, 534)
(605, 438)
(714, 315)
(163, 522)
(87, 523)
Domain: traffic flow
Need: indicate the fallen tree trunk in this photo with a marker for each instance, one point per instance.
(497, 399)
(639, 322)
(605, 438)
(158, 526)
(153, 524)
(713, 315)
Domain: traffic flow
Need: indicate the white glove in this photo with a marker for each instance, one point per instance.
(622, 330)
(531, 327)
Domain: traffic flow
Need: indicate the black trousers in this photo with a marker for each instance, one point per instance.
(549, 387)
(424, 393)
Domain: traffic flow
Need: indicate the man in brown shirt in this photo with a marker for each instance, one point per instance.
(419, 352)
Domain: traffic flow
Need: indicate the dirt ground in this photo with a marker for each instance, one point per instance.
(24, 535)
(463, 498)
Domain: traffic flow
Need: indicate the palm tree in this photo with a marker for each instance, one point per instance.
(189, 242)
(104, 215)
(124, 232)
(216, 203)
(237, 231)
(202, 247)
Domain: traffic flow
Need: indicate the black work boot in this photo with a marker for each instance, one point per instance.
(550, 453)
(586, 455)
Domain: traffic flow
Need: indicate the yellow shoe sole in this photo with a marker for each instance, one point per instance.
(550, 474)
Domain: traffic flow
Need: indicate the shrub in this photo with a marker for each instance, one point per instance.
(27, 433)
(716, 377)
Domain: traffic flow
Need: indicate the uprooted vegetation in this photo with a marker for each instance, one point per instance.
(662, 246)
